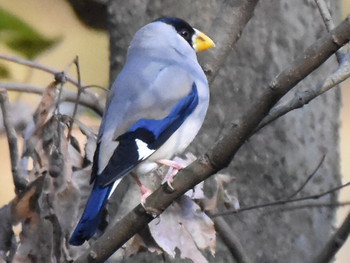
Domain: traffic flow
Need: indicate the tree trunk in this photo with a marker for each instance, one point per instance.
(278, 159)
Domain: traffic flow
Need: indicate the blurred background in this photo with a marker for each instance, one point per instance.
(68, 37)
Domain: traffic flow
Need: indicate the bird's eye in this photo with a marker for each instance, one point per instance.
(184, 33)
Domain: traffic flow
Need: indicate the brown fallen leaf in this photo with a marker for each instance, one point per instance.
(221, 195)
(184, 226)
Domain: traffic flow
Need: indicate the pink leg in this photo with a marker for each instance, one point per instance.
(145, 192)
(174, 167)
(170, 163)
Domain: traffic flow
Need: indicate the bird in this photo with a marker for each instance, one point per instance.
(154, 110)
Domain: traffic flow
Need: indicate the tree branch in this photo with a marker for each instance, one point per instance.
(315, 205)
(281, 202)
(76, 103)
(328, 21)
(19, 182)
(302, 98)
(36, 65)
(224, 150)
(226, 29)
(87, 99)
(335, 243)
(230, 239)
(308, 178)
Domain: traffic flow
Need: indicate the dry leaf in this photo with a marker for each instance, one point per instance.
(184, 226)
(221, 195)
(46, 106)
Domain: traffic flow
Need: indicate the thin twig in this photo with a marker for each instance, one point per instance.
(95, 104)
(313, 205)
(281, 202)
(302, 98)
(230, 239)
(76, 62)
(328, 21)
(308, 178)
(226, 29)
(335, 243)
(95, 86)
(87, 99)
(36, 65)
(325, 13)
(19, 182)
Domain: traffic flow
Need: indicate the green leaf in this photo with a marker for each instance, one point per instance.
(21, 37)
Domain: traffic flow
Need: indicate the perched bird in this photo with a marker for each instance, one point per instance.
(155, 108)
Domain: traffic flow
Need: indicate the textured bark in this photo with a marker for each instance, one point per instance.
(274, 162)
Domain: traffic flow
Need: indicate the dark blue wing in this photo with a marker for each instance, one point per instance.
(148, 133)
(90, 219)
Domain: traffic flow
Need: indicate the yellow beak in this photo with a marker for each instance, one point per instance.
(201, 41)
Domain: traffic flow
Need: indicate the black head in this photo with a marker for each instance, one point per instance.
(181, 27)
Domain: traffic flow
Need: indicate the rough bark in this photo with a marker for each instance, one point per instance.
(274, 162)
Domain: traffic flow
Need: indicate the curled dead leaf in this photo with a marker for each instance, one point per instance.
(184, 226)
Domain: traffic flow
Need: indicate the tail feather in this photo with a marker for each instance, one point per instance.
(90, 219)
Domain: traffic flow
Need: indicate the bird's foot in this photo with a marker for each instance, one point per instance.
(174, 167)
(169, 177)
(173, 164)
(145, 192)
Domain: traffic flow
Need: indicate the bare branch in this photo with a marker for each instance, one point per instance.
(76, 62)
(315, 205)
(36, 65)
(19, 182)
(302, 98)
(224, 150)
(281, 202)
(226, 30)
(95, 86)
(335, 243)
(328, 21)
(87, 99)
(308, 178)
(326, 15)
(230, 239)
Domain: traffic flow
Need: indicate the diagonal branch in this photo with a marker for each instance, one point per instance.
(224, 150)
(328, 21)
(231, 240)
(19, 182)
(308, 178)
(226, 29)
(302, 98)
(335, 243)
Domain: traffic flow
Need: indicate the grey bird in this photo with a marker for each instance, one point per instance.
(155, 108)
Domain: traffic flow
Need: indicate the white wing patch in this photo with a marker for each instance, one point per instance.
(143, 150)
(115, 184)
